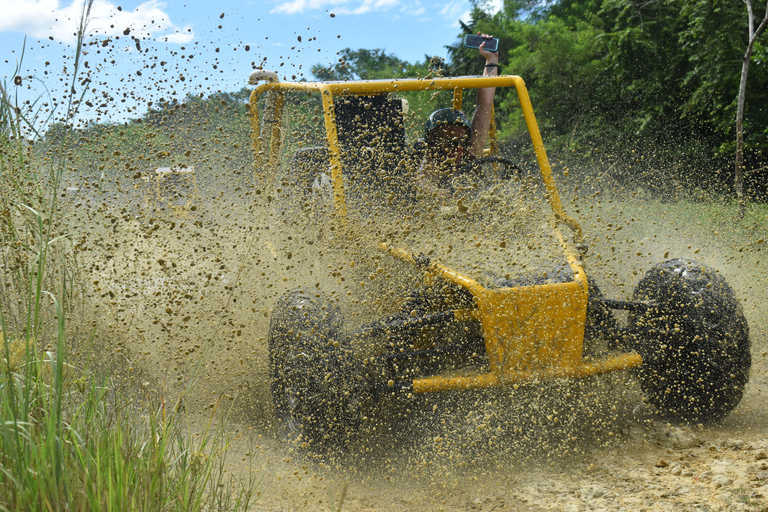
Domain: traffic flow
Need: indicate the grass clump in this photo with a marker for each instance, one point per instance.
(71, 439)
(78, 444)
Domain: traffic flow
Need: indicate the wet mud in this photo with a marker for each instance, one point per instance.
(185, 302)
(174, 290)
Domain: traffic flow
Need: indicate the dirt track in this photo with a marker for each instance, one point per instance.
(169, 298)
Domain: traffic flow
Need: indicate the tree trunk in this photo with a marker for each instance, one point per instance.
(738, 181)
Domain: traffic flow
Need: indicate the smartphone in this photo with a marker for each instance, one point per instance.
(473, 41)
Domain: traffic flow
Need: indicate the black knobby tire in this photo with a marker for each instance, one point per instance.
(694, 340)
(310, 368)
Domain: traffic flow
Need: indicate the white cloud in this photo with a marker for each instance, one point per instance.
(455, 11)
(181, 36)
(465, 17)
(371, 5)
(44, 18)
(413, 9)
(494, 6)
(338, 6)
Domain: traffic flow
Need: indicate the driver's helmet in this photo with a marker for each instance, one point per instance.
(446, 116)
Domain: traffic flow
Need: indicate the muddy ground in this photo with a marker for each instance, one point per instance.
(185, 301)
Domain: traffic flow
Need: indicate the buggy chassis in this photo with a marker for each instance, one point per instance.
(679, 323)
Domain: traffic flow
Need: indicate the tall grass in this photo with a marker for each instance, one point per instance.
(69, 438)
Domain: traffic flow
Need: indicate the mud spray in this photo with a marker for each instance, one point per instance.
(183, 252)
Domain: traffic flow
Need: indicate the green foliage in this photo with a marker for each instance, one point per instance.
(713, 38)
(361, 64)
(70, 443)
(655, 80)
(177, 133)
(558, 64)
(367, 65)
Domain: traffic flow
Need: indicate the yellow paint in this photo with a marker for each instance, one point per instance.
(458, 98)
(533, 327)
(275, 136)
(255, 131)
(531, 331)
(334, 152)
(452, 383)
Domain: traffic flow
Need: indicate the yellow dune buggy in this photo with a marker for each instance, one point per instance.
(488, 290)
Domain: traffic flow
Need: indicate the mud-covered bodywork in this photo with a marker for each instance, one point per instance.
(484, 288)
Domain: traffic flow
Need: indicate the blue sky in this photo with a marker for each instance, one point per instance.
(147, 50)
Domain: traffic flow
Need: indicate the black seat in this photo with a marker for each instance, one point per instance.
(371, 135)
(371, 132)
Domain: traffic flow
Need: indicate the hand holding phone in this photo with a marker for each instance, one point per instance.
(473, 41)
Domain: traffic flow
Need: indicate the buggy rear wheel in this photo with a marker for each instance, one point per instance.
(695, 341)
(309, 368)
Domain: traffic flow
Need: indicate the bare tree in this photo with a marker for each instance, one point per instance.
(739, 172)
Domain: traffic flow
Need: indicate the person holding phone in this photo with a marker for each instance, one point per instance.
(452, 141)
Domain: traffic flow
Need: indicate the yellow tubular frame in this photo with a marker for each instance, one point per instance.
(331, 89)
(529, 332)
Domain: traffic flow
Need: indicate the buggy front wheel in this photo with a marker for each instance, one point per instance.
(695, 341)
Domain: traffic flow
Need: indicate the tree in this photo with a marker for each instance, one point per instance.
(646, 83)
(362, 64)
(753, 35)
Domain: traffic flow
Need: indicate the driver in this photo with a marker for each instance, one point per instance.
(452, 140)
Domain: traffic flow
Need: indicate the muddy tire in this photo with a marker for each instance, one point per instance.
(695, 342)
(309, 368)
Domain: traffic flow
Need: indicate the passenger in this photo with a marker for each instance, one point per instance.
(452, 141)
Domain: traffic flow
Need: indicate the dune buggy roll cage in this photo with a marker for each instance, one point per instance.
(267, 143)
(529, 332)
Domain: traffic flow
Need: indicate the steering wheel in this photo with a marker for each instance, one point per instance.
(502, 168)
(490, 170)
